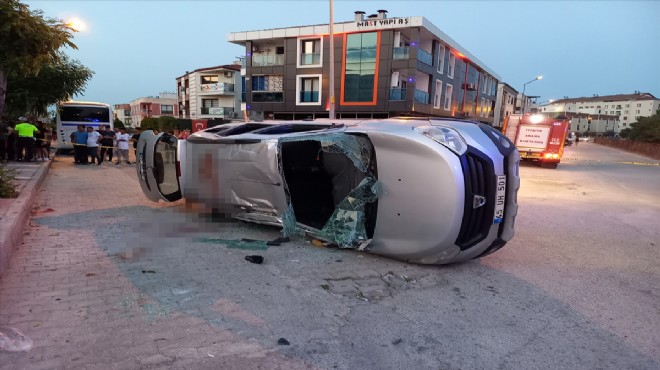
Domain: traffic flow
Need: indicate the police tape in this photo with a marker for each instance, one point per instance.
(98, 146)
(635, 163)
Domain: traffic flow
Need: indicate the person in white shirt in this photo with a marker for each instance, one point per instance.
(122, 146)
(93, 145)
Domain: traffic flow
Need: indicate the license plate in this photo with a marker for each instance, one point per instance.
(500, 196)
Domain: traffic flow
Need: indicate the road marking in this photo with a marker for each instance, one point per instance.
(635, 163)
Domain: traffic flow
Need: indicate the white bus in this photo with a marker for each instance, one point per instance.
(70, 114)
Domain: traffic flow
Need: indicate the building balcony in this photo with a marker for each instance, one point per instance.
(424, 57)
(217, 111)
(218, 88)
(400, 53)
(267, 97)
(309, 96)
(397, 94)
(421, 96)
(310, 59)
(267, 60)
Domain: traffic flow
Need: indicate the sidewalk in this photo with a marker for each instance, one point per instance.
(14, 212)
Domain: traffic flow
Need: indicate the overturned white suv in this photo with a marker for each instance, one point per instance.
(428, 191)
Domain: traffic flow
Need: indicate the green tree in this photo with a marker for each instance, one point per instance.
(28, 41)
(149, 123)
(166, 123)
(645, 129)
(118, 123)
(56, 81)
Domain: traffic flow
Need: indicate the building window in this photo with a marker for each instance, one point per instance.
(627, 105)
(166, 109)
(441, 58)
(309, 89)
(639, 105)
(437, 100)
(208, 105)
(309, 52)
(449, 90)
(625, 118)
(205, 80)
(637, 111)
(452, 64)
(483, 107)
(267, 88)
(360, 68)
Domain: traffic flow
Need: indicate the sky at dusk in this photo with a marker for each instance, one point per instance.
(138, 48)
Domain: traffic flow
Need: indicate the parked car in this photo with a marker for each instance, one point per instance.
(428, 191)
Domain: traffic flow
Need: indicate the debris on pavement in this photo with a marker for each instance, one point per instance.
(280, 240)
(255, 259)
(283, 342)
(245, 244)
(12, 340)
(397, 341)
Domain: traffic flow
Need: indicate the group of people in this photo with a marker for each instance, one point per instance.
(112, 143)
(26, 141)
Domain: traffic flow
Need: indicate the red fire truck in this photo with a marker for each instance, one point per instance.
(538, 138)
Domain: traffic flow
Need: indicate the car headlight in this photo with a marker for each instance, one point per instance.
(445, 136)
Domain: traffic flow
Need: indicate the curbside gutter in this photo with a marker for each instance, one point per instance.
(14, 221)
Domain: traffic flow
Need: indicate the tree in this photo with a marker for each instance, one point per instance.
(28, 41)
(645, 129)
(118, 123)
(149, 124)
(55, 81)
(167, 123)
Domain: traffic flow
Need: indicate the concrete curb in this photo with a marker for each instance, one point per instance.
(13, 223)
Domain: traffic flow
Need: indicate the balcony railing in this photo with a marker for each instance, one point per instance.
(310, 59)
(217, 111)
(421, 96)
(267, 60)
(221, 87)
(400, 53)
(309, 96)
(424, 57)
(267, 97)
(397, 94)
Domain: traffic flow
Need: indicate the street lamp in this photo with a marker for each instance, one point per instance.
(331, 84)
(523, 103)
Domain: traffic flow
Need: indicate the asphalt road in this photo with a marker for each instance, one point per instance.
(577, 288)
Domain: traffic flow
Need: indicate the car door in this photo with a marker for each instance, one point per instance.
(157, 169)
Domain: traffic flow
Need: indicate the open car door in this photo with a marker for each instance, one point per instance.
(157, 166)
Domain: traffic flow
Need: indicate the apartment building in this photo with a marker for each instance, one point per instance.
(626, 107)
(383, 67)
(210, 93)
(164, 104)
(506, 102)
(123, 113)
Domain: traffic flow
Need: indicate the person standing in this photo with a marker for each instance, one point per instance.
(40, 144)
(93, 138)
(135, 138)
(26, 131)
(79, 141)
(107, 143)
(122, 146)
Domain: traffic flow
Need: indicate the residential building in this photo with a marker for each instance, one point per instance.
(164, 104)
(383, 67)
(627, 107)
(505, 103)
(210, 93)
(587, 124)
(123, 113)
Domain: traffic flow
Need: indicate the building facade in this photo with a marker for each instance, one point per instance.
(506, 102)
(165, 104)
(627, 108)
(383, 67)
(123, 113)
(210, 93)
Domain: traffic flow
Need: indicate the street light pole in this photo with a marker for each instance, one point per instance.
(331, 84)
(523, 103)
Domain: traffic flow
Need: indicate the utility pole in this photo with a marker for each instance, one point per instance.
(331, 83)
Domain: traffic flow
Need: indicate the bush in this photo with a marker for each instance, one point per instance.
(7, 185)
